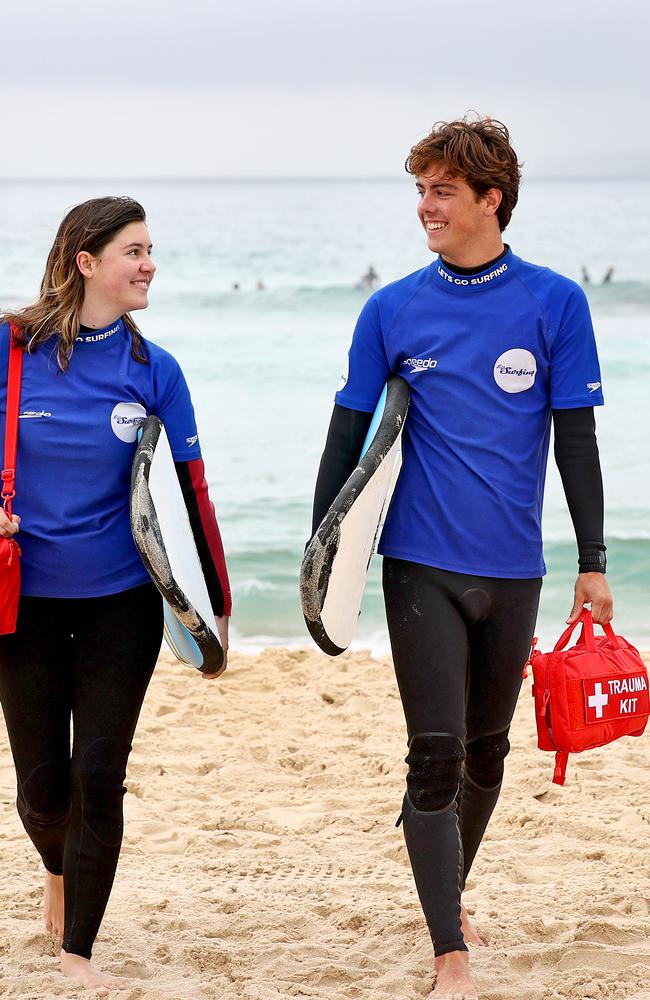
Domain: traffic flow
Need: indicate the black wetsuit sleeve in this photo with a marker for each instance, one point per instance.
(576, 455)
(345, 438)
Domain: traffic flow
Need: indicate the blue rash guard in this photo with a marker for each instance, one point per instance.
(487, 357)
(76, 440)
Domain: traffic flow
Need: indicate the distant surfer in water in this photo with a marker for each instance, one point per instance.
(90, 621)
(369, 280)
(494, 349)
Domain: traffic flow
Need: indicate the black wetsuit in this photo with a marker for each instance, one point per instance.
(459, 642)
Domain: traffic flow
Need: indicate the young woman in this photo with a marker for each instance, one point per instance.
(494, 349)
(90, 621)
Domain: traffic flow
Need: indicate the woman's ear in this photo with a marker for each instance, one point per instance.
(85, 263)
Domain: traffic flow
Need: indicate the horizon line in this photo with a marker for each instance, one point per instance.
(288, 179)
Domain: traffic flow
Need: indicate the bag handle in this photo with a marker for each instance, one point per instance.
(587, 633)
(11, 427)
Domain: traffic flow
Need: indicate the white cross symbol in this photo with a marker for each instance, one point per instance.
(598, 700)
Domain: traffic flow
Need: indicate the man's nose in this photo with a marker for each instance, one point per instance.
(428, 202)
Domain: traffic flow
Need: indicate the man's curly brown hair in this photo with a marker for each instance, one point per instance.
(475, 150)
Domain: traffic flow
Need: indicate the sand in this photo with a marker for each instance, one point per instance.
(261, 859)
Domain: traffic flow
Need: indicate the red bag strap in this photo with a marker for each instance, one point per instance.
(611, 635)
(11, 427)
(561, 761)
(586, 621)
(568, 632)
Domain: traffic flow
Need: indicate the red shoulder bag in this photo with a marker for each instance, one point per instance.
(587, 695)
(9, 549)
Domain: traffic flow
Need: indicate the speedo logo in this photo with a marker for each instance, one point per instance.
(478, 279)
(92, 338)
(592, 386)
(420, 364)
(31, 414)
(192, 440)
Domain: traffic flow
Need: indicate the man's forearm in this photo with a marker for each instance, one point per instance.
(576, 455)
(345, 438)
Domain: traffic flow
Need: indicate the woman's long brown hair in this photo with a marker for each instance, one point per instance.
(89, 226)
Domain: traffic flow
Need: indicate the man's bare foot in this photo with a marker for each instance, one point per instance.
(78, 968)
(470, 934)
(453, 981)
(53, 904)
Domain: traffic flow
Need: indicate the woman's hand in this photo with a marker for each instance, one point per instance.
(222, 632)
(7, 527)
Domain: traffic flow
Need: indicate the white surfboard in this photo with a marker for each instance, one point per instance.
(335, 565)
(163, 535)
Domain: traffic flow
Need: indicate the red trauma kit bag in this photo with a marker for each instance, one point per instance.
(589, 694)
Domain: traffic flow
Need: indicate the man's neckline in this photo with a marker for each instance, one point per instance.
(475, 270)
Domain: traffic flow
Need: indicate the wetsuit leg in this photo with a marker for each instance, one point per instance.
(501, 616)
(459, 643)
(35, 691)
(89, 658)
(429, 644)
(116, 645)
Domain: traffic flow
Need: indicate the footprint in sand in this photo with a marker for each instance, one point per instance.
(594, 957)
(608, 932)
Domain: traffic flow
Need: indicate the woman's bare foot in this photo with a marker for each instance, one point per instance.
(470, 934)
(78, 968)
(53, 904)
(453, 981)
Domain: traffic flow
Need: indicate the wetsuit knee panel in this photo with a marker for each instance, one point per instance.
(102, 767)
(98, 780)
(485, 757)
(435, 761)
(45, 795)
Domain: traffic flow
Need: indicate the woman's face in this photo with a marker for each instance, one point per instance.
(118, 278)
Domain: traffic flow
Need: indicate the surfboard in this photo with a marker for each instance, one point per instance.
(335, 565)
(162, 533)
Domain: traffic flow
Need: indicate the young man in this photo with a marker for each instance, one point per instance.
(493, 349)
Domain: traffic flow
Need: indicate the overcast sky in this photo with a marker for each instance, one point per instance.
(182, 88)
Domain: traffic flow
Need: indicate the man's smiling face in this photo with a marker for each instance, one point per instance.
(457, 221)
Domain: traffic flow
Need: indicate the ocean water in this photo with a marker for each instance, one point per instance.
(263, 365)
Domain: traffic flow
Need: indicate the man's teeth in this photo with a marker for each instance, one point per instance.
(431, 226)
(142, 284)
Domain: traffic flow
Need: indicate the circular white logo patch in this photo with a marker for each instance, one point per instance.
(126, 419)
(515, 370)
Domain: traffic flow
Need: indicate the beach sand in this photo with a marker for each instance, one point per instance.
(261, 859)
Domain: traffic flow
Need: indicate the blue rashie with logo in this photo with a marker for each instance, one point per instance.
(487, 357)
(76, 440)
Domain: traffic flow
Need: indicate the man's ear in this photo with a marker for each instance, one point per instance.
(492, 198)
(85, 263)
